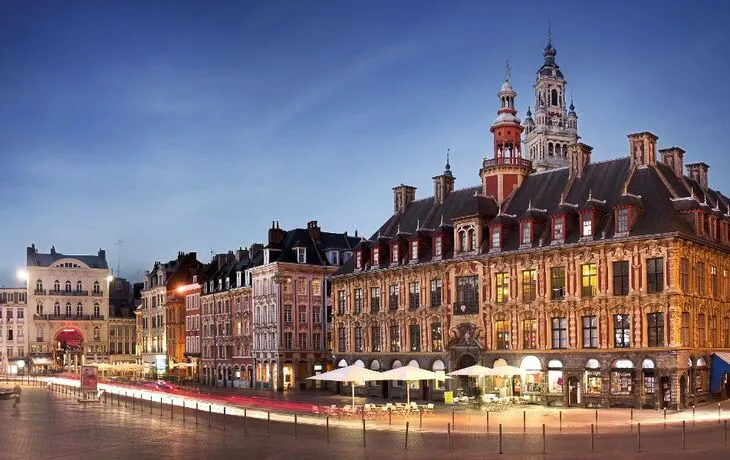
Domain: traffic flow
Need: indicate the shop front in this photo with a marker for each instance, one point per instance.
(649, 385)
(592, 384)
(530, 383)
(622, 384)
(555, 394)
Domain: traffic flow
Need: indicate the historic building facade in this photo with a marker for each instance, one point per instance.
(122, 326)
(69, 299)
(161, 315)
(225, 318)
(554, 129)
(13, 331)
(606, 283)
(289, 304)
(192, 328)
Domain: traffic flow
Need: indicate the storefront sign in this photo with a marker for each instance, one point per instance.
(448, 397)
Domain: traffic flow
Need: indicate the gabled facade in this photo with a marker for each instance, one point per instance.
(607, 283)
(14, 322)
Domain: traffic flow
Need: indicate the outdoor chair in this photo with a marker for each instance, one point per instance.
(428, 410)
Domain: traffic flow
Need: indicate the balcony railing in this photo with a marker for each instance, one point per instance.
(48, 317)
(513, 161)
(466, 308)
(97, 293)
(39, 292)
(70, 293)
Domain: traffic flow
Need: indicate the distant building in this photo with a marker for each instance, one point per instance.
(122, 326)
(192, 329)
(70, 299)
(290, 304)
(13, 331)
(162, 314)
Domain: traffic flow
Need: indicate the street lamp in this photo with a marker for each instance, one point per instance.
(21, 274)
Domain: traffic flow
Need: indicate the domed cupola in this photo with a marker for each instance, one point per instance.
(572, 118)
(529, 123)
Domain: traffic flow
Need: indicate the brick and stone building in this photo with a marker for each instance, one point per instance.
(607, 283)
(290, 304)
(13, 331)
(192, 328)
(122, 326)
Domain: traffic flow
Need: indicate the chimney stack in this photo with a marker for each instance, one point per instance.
(674, 158)
(642, 149)
(102, 255)
(255, 249)
(241, 254)
(275, 233)
(579, 155)
(698, 172)
(314, 231)
(403, 195)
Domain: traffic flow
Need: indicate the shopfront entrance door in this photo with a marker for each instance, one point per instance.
(666, 388)
(572, 391)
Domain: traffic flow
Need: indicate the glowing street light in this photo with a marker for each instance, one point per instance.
(21, 274)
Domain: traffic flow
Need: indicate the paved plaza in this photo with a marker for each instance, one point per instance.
(54, 425)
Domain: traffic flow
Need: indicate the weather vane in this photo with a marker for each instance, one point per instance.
(507, 70)
(550, 31)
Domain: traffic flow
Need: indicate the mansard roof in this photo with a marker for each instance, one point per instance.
(315, 249)
(37, 259)
(658, 194)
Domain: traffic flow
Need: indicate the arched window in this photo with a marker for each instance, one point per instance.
(39, 308)
(79, 309)
(79, 286)
(97, 287)
(97, 311)
(68, 308)
(462, 241)
(68, 286)
(472, 240)
(57, 309)
(57, 286)
(39, 285)
(96, 333)
(554, 97)
(550, 149)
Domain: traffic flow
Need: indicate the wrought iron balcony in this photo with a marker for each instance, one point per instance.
(97, 293)
(48, 317)
(466, 308)
(510, 161)
(39, 292)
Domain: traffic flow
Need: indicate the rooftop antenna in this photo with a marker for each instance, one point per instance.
(118, 244)
(507, 70)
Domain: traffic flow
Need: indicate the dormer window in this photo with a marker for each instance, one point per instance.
(462, 241)
(333, 257)
(247, 277)
(527, 233)
(267, 256)
(376, 256)
(558, 234)
(587, 227)
(394, 258)
(437, 246)
(414, 250)
(496, 238)
(472, 240)
(301, 255)
(622, 220)
(238, 279)
(358, 260)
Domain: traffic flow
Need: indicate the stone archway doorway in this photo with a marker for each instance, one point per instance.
(68, 349)
(466, 384)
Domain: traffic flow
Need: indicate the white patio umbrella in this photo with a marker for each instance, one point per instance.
(410, 374)
(505, 371)
(351, 374)
(472, 371)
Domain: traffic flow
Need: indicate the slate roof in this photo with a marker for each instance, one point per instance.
(37, 259)
(315, 249)
(659, 196)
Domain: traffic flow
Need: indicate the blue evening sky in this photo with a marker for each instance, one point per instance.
(191, 125)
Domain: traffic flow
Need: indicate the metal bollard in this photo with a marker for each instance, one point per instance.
(487, 421)
(224, 418)
(524, 421)
(327, 428)
(544, 448)
(150, 404)
(725, 430)
(133, 400)
(420, 419)
(453, 420)
(684, 435)
(183, 410)
(363, 432)
(160, 406)
(718, 413)
(125, 399)
(268, 424)
(172, 407)
(390, 416)
(295, 426)
(210, 412)
(596, 419)
(196, 413)
(500, 439)
(593, 440)
(638, 429)
(561, 421)
(665, 418)
(245, 422)
(448, 436)
(406, 445)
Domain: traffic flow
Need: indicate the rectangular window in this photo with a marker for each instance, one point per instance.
(414, 250)
(713, 281)
(316, 341)
(655, 329)
(622, 221)
(495, 238)
(621, 277)
(375, 338)
(467, 295)
(414, 295)
(560, 333)
(316, 314)
(395, 338)
(655, 275)
(376, 256)
(526, 233)
(287, 314)
(437, 343)
(684, 275)
(393, 300)
(700, 278)
(589, 281)
(685, 329)
(621, 331)
(529, 334)
(590, 332)
(437, 246)
(587, 227)
(701, 330)
(303, 345)
(712, 339)
(341, 340)
(558, 229)
(287, 341)
(341, 302)
(435, 293)
(374, 299)
(414, 333)
(503, 335)
(358, 301)
(557, 283)
(302, 314)
(726, 332)
(394, 254)
(529, 285)
(358, 339)
(502, 287)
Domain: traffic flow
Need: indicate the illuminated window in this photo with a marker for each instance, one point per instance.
(526, 233)
(502, 287)
(529, 285)
(587, 225)
(621, 331)
(503, 335)
(560, 332)
(589, 280)
(529, 334)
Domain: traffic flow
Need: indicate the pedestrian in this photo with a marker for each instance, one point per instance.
(17, 391)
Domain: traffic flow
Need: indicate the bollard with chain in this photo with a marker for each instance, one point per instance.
(406, 445)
